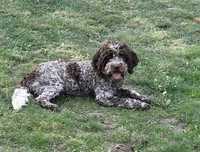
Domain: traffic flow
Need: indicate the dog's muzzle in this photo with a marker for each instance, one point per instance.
(118, 72)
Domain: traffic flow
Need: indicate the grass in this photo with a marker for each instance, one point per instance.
(164, 33)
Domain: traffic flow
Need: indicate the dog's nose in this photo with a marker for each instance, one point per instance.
(117, 66)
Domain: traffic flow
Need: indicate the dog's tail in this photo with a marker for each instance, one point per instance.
(20, 98)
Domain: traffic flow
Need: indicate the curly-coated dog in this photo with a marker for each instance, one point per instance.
(102, 78)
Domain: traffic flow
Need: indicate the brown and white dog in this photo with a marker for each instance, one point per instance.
(102, 78)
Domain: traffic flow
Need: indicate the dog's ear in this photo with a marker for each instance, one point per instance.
(95, 60)
(129, 56)
(101, 57)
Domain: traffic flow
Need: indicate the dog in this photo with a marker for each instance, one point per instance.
(102, 78)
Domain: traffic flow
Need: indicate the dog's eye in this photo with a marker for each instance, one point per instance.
(110, 52)
(124, 57)
(109, 57)
(121, 46)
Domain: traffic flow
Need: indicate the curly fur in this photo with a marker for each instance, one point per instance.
(106, 52)
(102, 77)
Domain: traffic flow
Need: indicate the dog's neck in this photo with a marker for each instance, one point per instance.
(116, 84)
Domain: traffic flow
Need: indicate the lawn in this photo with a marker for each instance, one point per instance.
(164, 33)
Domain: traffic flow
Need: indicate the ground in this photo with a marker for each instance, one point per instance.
(164, 33)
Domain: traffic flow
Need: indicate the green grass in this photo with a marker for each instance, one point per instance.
(167, 41)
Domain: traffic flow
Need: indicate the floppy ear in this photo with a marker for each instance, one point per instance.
(95, 60)
(101, 57)
(129, 56)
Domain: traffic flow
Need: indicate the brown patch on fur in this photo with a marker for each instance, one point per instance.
(29, 78)
(129, 56)
(74, 70)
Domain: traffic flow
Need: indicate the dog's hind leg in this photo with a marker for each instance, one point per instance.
(49, 93)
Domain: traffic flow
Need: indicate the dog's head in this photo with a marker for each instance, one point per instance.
(113, 60)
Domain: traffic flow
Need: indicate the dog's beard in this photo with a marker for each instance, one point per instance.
(115, 74)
